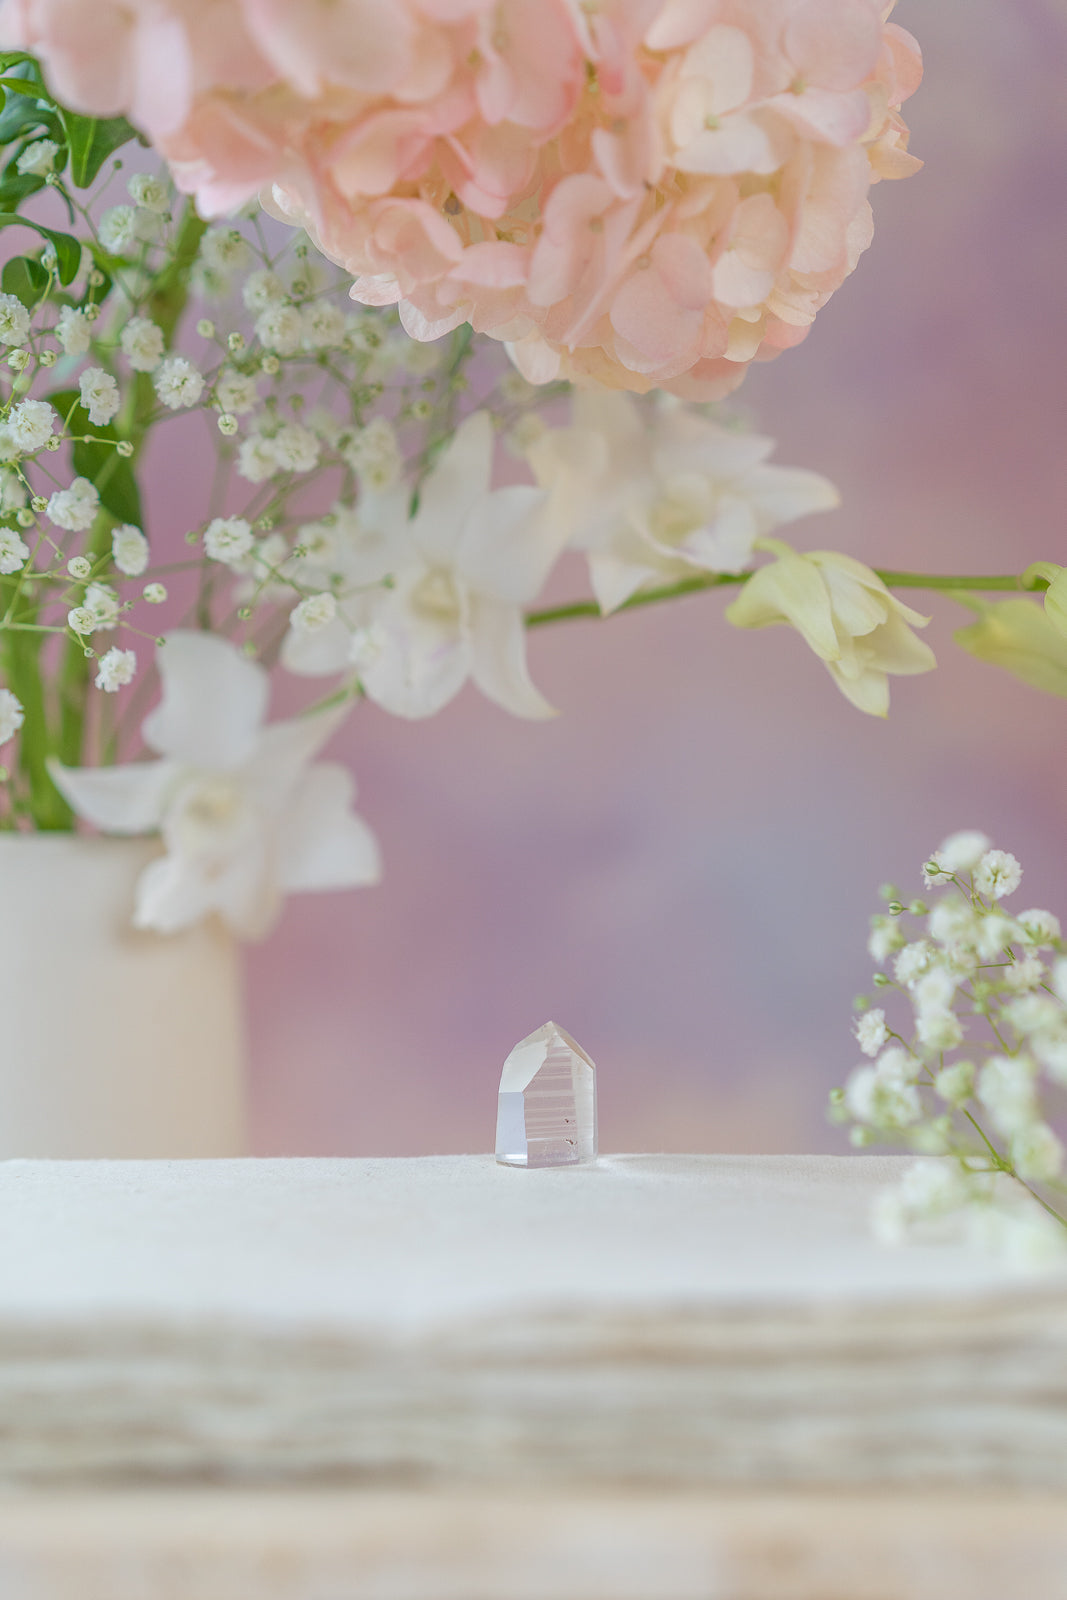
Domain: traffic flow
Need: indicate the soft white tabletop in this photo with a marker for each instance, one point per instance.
(409, 1244)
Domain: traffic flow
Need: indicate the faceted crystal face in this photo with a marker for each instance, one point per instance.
(546, 1115)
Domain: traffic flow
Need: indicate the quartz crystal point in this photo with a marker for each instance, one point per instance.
(546, 1114)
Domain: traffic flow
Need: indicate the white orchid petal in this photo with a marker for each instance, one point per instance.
(510, 544)
(170, 895)
(615, 580)
(418, 663)
(498, 659)
(214, 702)
(452, 489)
(284, 750)
(319, 654)
(129, 799)
(321, 843)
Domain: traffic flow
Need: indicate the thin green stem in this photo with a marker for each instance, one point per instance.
(718, 580)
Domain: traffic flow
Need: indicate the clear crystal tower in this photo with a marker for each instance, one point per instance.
(546, 1114)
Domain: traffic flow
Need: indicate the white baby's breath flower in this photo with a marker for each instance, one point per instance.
(1006, 1089)
(79, 567)
(129, 548)
(226, 250)
(897, 1065)
(885, 937)
(75, 508)
(103, 602)
(934, 990)
(1059, 978)
(1034, 1014)
(871, 1032)
(117, 668)
(99, 395)
(1026, 974)
(14, 552)
(14, 320)
(938, 1031)
(263, 289)
(952, 922)
(142, 344)
(82, 621)
(73, 331)
(1023, 1237)
(885, 1104)
(323, 326)
(997, 874)
(1037, 1153)
(956, 1082)
(993, 933)
(178, 383)
(118, 229)
(228, 539)
(13, 492)
(256, 461)
(912, 961)
(1038, 928)
(149, 192)
(38, 159)
(961, 852)
(295, 448)
(236, 392)
(280, 328)
(154, 593)
(30, 425)
(375, 456)
(12, 715)
(314, 612)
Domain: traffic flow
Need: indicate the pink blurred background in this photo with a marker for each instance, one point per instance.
(679, 869)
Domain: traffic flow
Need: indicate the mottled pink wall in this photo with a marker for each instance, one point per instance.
(679, 868)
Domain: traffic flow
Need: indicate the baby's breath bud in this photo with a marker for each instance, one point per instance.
(206, 328)
(47, 358)
(880, 981)
(244, 612)
(271, 365)
(154, 593)
(79, 567)
(894, 908)
(860, 1137)
(25, 518)
(91, 313)
(889, 891)
(227, 424)
(53, 444)
(420, 410)
(236, 342)
(193, 536)
(916, 908)
(96, 278)
(264, 524)
(39, 503)
(124, 447)
(861, 1002)
(18, 360)
(836, 1096)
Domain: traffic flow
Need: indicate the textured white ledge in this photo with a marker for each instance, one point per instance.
(689, 1320)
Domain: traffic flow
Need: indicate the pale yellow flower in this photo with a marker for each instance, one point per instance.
(844, 612)
(1020, 636)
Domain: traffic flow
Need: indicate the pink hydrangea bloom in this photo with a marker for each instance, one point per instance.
(636, 193)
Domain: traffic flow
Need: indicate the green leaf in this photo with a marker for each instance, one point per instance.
(19, 115)
(26, 279)
(22, 86)
(68, 250)
(100, 462)
(91, 141)
(19, 187)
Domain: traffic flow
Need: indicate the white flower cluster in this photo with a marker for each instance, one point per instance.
(973, 1072)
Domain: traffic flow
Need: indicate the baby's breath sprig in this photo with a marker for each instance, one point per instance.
(976, 1069)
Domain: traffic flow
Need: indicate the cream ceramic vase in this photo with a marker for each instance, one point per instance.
(114, 1042)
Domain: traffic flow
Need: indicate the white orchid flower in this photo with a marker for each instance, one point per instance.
(654, 499)
(244, 815)
(350, 554)
(469, 561)
(844, 612)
